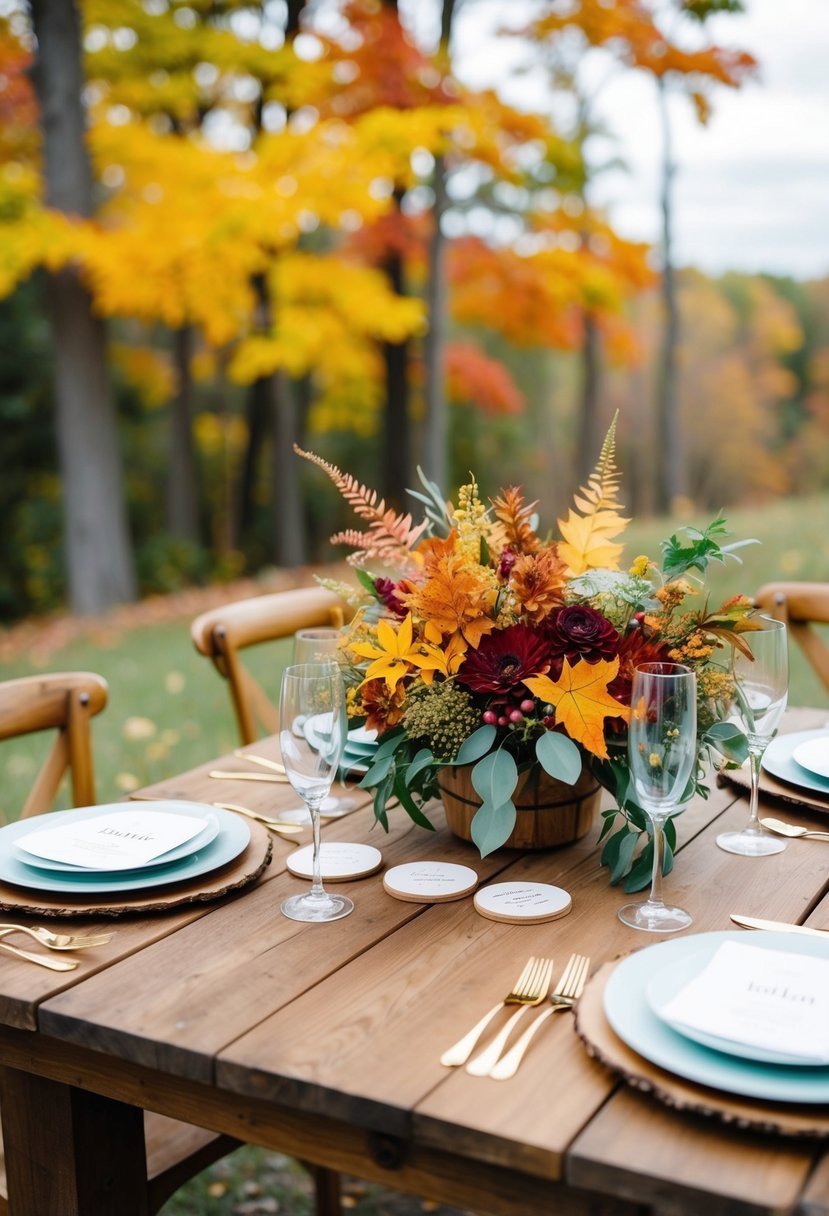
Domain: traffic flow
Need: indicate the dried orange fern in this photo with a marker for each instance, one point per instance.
(389, 537)
(588, 538)
(516, 517)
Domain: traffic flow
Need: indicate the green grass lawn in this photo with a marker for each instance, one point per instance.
(169, 710)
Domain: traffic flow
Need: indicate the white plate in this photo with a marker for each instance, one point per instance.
(360, 736)
(778, 759)
(631, 1017)
(814, 755)
(664, 986)
(209, 832)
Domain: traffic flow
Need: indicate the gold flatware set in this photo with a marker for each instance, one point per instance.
(52, 941)
(530, 989)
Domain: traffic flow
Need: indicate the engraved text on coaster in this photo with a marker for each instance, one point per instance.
(339, 861)
(429, 881)
(522, 902)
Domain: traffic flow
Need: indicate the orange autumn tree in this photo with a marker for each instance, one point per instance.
(666, 39)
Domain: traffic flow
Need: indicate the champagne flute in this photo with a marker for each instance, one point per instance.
(319, 645)
(312, 728)
(662, 749)
(761, 686)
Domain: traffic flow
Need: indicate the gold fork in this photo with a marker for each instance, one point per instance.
(58, 941)
(262, 761)
(460, 1052)
(42, 960)
(564, 996)
(533, 993)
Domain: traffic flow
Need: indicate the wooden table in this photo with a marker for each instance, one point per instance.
(323, 1040)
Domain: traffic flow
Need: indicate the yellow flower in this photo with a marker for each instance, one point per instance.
(393, 655)
(444, 660)
(640, 566)
(654, 760)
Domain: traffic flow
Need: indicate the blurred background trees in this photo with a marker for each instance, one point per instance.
(301, 227)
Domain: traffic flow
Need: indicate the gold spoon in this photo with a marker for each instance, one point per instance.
(273, 765)
(273, 825)
(790, 829)
(223, 776)
(54, 964)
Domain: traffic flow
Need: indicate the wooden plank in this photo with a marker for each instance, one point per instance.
(70, 1152)
(815, 1198)
(636, 1148)
(24, 986)
(194, 992)
(316, 1138)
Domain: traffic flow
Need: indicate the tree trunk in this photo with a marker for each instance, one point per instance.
(436, 437)
(182, 496)
(671, 486)
(98, 547)
(590, 434)
(396, 452)
(256, 417)
(288, 519)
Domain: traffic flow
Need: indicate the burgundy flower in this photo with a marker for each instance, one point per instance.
(387, 595)
(579, 632)
(503, 660)
(634, 650)
(508, 559)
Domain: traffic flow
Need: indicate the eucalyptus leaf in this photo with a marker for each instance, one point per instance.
(476, 745)
(377, 771)
(623, 862)
(728, 740)
(495, 777)
(423, 759)
(492, 825)
(559, 757)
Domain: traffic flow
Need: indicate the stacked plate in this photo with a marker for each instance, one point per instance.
(801, 759)
(639, 1003)
(359, 750)
(58, 852)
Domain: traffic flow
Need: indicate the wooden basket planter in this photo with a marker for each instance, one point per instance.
(549, 813)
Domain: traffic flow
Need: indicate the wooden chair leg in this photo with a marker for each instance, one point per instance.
(327, 1191)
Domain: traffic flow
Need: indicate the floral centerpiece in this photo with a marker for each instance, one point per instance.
(484, 643)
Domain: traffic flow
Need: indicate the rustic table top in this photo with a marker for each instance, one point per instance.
(324, 1039)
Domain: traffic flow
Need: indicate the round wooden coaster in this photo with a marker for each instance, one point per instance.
(339, 861)
(430, 882)
(593, 1028)
(522, 903)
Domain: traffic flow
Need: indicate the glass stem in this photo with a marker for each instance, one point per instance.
(317, 890)
(754, 759)
(655, 896)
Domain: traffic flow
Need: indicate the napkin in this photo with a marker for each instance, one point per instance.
(120, 840)
(760, 998)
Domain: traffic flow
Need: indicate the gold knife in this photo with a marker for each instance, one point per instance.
(753, 922)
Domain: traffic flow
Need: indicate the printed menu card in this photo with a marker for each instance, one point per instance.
(772, 999)
(119, 840)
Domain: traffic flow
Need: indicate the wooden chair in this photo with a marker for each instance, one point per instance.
(801, 606)
(66, 703)
(222, 633)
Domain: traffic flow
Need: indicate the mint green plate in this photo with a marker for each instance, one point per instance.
(631, 1017)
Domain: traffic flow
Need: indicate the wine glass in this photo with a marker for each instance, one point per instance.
(662, 749)
(760, 693)
(319, 645)
(312, 727)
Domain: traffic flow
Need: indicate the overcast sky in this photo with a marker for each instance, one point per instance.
(752, 187)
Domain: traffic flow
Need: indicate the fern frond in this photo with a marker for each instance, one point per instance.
(589, 532)
(390, 535)
(517, 519)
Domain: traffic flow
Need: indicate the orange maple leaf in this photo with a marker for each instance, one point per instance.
(581, 700)
(455, 600)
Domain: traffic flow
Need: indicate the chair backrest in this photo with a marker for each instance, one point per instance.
(64, 702)
(223, 632)
(801, 606)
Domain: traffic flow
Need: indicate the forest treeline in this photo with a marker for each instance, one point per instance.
(227, 228)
